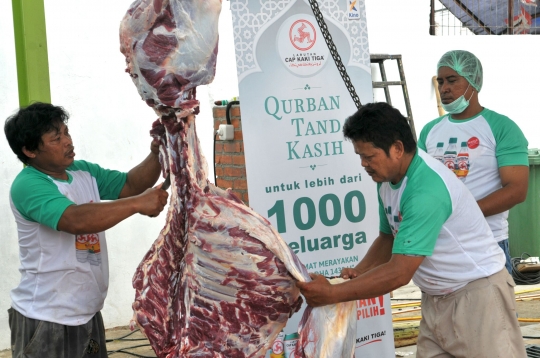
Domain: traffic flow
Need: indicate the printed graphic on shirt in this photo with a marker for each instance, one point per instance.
(88, 249)
(473, 142)
(456, 158)
(394, 220)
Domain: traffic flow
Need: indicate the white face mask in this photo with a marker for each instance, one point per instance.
(459, 105)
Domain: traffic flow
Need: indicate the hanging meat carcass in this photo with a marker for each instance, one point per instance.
(219, 280)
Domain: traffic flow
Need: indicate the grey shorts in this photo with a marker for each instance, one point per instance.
(31, 338)
(478, 320)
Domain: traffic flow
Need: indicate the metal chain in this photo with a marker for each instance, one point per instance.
(333, 50)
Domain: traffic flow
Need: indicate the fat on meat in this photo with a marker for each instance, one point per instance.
(328, 331)
(170, 47)
(218, 281)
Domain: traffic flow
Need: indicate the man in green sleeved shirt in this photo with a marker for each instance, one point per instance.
(432, 231)
(56, 201)
(486, 150)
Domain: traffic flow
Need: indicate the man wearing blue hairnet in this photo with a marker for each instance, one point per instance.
(485, 149)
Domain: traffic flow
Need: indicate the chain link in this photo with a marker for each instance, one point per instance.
(333, 50)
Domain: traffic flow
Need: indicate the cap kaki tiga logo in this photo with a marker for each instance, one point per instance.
(93, 243)
(88, 249)
(302, 35)
(81, 242)
(300, 45)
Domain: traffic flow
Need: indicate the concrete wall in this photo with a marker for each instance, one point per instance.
(109, 123)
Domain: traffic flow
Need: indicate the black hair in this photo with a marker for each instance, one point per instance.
(381, 124)
(28, 124)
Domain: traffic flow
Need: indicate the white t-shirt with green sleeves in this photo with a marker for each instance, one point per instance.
(64, 277)
(491, 141)
(431, 213)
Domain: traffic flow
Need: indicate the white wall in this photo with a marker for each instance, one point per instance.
(9, 165)
(110, 123)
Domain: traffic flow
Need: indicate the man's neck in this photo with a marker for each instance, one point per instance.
(62, 175)
(405, 164)
(471, 111)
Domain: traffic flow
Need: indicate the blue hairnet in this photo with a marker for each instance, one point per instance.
(465, 64)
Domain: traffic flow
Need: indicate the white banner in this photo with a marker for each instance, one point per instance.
(302, 175)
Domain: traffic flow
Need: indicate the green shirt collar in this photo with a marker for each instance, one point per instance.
(412, 165)
(466, 119)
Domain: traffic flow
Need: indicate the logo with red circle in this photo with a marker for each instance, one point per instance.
(473, 143)
(450, 164)
(277, 347)
(302, 35)
(93, 239)
(300, 47)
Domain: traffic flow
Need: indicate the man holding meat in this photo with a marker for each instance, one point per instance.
(432, 231)
(56, 201)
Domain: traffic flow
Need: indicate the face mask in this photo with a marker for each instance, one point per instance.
(459, 105)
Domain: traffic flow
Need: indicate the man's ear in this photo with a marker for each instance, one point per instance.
(28, 153)
(398, 148)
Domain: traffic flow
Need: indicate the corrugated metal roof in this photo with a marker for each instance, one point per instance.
(485, 17)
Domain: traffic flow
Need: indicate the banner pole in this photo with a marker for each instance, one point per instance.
(31, 51)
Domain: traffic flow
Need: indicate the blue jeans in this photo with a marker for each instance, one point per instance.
(506, 248)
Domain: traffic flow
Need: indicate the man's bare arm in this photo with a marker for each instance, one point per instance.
(379, 253)
(515, 182)
(96, 217)
(144, 175)
(378, 281)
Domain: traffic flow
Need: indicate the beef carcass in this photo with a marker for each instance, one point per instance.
(219, 281)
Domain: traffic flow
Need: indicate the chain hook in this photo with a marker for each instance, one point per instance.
(333, 51)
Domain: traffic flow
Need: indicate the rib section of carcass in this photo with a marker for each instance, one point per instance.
(218, 280)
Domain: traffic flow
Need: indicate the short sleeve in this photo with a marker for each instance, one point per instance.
(512, 145)
(38, 199)
(384, 225)
(422, 139)
(109, 182)
(424, 213)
